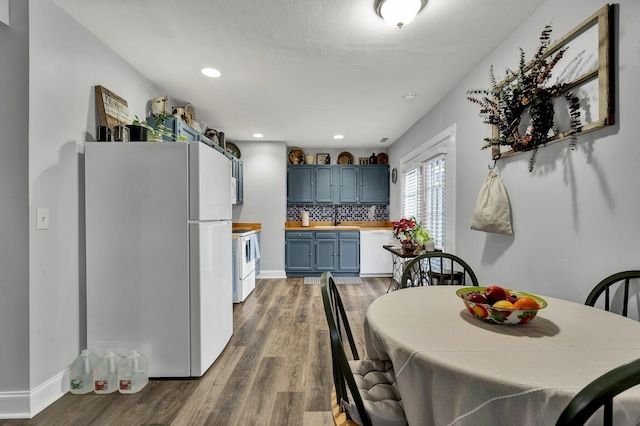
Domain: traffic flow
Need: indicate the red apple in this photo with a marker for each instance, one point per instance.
(477, 298)
(494, 293)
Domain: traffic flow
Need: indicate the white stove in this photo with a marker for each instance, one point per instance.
(248, 252)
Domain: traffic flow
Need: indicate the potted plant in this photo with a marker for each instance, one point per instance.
(138, 130)
(410, 233)
(159, 130)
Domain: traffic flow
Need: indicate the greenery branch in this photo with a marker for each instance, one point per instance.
(526, 90)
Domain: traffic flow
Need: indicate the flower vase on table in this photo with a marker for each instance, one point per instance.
(409, 246)
(410, 233)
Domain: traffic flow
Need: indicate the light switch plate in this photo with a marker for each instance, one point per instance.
(42, 218)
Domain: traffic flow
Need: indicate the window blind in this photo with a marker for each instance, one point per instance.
(411, 193)
(424, 196)
(434, 215)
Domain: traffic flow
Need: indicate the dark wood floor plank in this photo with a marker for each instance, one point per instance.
(288, 409)
(259, 406)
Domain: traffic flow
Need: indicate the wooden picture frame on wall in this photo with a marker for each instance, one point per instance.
(600, 75)
(113, 109)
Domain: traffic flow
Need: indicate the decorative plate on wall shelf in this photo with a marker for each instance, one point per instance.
(345, 158)
(296, 155)
(383, 158)
(233, 149)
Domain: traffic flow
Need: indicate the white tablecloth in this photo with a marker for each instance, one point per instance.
(455, 369)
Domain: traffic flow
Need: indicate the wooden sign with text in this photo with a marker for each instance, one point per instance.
(113, 109)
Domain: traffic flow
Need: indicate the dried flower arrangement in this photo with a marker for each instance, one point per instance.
(524, 90)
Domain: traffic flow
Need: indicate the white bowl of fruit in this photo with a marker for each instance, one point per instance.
(499, 305)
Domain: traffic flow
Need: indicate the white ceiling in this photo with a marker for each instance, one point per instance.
(301, 71)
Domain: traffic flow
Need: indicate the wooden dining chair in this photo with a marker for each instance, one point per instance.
(611, 286)
(600, 393)
(437, 268)
(365, 390)
(339, 313)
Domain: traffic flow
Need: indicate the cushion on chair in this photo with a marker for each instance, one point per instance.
(365, 366)
(376, 382)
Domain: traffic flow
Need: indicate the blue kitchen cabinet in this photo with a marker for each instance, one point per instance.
(299, 250)
(349, 252)
(339, 184)
(237, 171)
(310, 253)
(373, 184)
(300, 180)
(178, 127)
(324, 178)
(326, 251)
(348, 181)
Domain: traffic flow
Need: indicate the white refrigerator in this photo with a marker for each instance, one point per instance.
(158, 253)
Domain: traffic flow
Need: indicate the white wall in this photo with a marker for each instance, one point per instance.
(575, 217)
(47, 89)
(265, 200)
(14, 210)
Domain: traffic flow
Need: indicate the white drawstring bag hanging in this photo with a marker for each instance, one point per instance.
(492, 213)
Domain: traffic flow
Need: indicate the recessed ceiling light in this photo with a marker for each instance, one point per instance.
(211, 72)
(338, 137)
(409, 96)
(258, 135)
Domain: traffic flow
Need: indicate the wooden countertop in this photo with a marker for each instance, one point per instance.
(254, 226)
(344, 226)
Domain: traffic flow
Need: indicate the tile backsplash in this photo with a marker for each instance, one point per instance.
(343, 212)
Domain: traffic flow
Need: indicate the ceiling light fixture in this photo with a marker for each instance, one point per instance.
(409, 96)
(338, 137)
(211, 72)
(398, 13)
(258, 135)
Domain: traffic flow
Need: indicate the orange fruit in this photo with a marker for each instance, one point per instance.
(526, 303)
(503, 304)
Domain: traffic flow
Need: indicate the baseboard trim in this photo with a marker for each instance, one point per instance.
(49, 392)
(25, 404)
(14, 405)
(272, 274)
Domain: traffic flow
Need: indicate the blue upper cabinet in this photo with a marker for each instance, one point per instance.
(338, 184)
(178, 127)
(374, 184)
(237, 171)
(300, 184)
(324, 184)
(348, 179)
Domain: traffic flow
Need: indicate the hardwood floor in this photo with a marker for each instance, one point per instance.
(276, 370)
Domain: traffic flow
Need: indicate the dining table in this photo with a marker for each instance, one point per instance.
(455, 369)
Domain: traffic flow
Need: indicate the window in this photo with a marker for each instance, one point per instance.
(427, 187)
(434, 216)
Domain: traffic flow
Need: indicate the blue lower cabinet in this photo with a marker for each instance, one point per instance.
(299, 248)
(349, 252)
(326, 251)
(310, 253)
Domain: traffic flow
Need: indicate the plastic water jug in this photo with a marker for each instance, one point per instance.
(133, 372)
(105, 373)
(81, 373)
